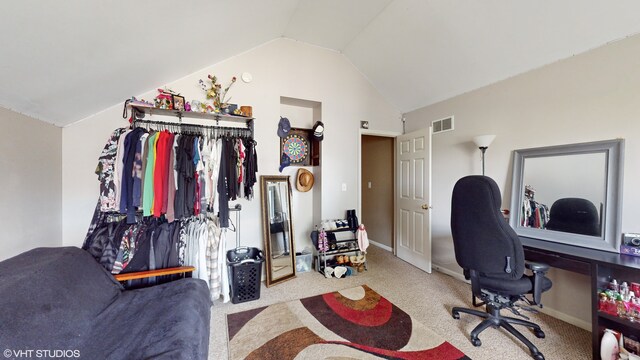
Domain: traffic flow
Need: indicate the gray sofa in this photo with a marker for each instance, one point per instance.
(62, 299)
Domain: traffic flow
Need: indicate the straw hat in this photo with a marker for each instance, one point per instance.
(304, 180)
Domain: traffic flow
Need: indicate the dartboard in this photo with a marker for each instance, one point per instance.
(296, 147)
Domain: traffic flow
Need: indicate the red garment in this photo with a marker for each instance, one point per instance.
(169, 169)
(159, 180)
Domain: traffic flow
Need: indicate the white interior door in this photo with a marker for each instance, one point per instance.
(413, 224)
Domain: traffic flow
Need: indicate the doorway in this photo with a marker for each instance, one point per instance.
(377, 189)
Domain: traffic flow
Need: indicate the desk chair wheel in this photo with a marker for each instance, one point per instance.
(476, 342)
(538, 356)
(539, 334)
(455, 314)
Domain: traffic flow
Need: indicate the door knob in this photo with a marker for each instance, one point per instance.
(425, 207)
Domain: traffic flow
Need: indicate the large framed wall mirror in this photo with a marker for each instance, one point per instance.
(570, 194)
(277, 228)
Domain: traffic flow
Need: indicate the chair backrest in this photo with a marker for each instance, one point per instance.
(574, 215)
(482, 238)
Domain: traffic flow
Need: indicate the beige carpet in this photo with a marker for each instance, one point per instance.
(426, 297)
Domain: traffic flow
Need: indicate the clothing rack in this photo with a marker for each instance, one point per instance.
(139, 112)
(213, 131)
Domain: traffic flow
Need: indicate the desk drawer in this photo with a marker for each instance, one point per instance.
(553, 260)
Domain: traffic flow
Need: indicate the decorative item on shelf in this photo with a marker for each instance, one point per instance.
(621, 300)
(246, 110)
(178, 102)
(231, 108)
(187, 106)
(630, 244)
(141, 103)
(164, 99)
(196, 106)
(215, 92)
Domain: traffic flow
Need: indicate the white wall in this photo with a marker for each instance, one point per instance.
(30, 159)
(279, 68)
(589, 97)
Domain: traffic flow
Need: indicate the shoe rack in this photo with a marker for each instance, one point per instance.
(345, 243)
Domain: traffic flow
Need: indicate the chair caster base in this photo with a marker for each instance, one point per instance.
(539, 334)
(455, 315)
(476, 342)
(538, 356)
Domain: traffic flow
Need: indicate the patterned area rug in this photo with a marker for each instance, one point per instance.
(355, 323)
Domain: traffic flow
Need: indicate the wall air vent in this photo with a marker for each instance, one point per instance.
(442, 125)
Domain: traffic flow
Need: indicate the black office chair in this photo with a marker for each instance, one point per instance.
(491, 255)
(574, 215)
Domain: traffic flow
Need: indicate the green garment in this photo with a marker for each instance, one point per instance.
(147, 196)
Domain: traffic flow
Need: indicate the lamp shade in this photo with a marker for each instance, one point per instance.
(483, 141)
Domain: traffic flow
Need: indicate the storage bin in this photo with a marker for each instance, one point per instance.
(303, 262)
(245, 273)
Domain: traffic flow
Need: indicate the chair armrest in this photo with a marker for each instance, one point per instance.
(187, 270)
(537, 267)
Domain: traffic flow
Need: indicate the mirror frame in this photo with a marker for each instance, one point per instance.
(264, 179)
(610, 238)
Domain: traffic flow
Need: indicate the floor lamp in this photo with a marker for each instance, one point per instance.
(483, 142)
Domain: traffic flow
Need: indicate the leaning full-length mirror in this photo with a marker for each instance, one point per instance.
(278, 228)
(569, 193)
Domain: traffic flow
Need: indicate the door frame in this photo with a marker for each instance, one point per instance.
(383, 133)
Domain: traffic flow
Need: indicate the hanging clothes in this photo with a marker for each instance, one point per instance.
(106, 171)
(128, 174)
(363, 239)
(118, 168)
(251, 167)
(175, 191)
(215, 233)
(147, 191)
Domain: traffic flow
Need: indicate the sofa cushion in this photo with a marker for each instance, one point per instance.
(62, 299)
(167, 321)
(49, 297)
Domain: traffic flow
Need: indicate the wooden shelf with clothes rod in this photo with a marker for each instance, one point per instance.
(139, 112)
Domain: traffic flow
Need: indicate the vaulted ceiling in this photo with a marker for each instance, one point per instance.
(61, 61)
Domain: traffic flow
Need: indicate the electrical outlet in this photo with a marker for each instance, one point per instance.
(344, 187)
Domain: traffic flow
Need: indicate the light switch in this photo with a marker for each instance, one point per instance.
(369, 184)
(344, 187)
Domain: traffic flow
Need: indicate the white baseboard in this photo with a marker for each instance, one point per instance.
(546, 310)
(454, 274)
(566, 318)
(381, 246)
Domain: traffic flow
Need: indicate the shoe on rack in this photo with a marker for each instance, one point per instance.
(328, 272)
(339, 271)
(333, 224)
